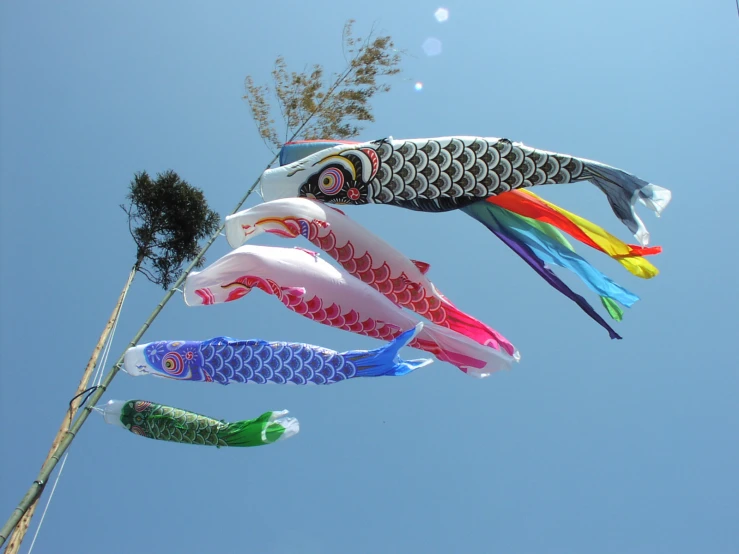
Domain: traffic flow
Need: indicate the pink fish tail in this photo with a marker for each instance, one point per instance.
(426, 345)
(463, 323)
(460, 360)
(461, 351)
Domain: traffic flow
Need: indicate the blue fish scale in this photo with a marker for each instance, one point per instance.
(252, 361)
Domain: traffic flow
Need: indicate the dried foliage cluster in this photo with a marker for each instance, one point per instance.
(314, 107)
(167, 217)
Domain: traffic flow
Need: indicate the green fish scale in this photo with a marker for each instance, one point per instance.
(175, 425)
(183, 426)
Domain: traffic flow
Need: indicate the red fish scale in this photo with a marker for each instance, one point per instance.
(400, 290)
(313, 308)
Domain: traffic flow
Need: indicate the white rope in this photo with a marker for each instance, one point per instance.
(103, 361)
(51, 495)
(97, 378)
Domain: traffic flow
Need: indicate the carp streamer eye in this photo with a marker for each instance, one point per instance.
(173, 364)
(331, 181)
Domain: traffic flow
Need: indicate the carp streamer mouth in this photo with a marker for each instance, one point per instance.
(281, 227)
(242, 286)
(248, 230)
(236, 290)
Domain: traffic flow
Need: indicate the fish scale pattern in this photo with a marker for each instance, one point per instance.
(314, 308)
(156, 421)
(476, 169)
(439, 174)
(223, 360)
(401, 290)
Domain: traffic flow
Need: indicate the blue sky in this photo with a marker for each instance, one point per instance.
(588, 445)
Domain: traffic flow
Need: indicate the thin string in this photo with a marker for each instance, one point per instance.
(51, 495)
(103, 362)
(95, 381)
(87, 391)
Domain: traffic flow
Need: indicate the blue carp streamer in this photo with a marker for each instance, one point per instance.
(225, 360)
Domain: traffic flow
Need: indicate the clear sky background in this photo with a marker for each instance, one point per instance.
(588, 445)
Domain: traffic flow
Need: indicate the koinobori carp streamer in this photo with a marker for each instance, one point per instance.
(315, 289)
(448, 173)
(165, 423)
(362, 254)
(225, 360)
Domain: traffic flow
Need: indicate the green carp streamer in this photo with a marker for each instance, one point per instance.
(165, 423)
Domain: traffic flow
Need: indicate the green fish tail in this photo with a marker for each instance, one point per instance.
(267, 428)
(274, 432)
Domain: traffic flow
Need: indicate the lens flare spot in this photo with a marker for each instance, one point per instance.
(432, 46)
(418, 85)
(441, 15)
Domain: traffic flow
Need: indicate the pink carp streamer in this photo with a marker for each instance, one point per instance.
(363, 255)
(315, 289)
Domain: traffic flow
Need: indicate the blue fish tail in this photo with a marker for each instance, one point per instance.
(385, 360)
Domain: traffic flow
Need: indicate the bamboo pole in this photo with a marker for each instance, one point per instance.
(37, 487)
(17, 535)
